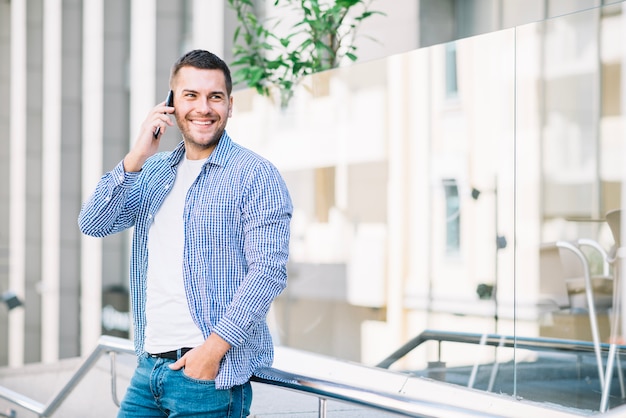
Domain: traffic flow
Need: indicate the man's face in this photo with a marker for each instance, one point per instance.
(202, 108)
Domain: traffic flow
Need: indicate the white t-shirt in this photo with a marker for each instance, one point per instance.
(169, 325)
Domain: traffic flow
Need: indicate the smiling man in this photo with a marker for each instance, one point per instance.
(210, 246)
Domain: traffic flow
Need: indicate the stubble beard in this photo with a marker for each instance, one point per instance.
(215, 139)
(191, 141)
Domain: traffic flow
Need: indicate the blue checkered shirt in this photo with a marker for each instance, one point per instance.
(237, 216)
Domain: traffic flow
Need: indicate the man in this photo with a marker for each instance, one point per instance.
(209, 252)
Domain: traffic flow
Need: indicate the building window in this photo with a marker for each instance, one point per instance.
(453, 216)
(452, 87)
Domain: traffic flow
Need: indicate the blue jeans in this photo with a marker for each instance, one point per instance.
(157, 391)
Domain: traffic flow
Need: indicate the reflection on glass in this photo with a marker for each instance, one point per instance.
(453, 216)
(460, 189)
(567, 194)
(452, 87)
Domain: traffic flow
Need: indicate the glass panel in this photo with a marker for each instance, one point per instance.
(444, 193)
(402, 176)
(569, 137)
(453, 216)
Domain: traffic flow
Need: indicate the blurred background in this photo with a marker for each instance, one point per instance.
(439, 181)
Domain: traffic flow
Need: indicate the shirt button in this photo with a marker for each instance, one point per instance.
(167, 186)
(121, 178)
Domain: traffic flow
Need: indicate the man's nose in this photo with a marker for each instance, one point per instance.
(204, 106)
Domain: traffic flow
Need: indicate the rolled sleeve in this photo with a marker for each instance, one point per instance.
(230, 331)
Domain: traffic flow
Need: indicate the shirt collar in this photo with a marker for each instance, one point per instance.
(218, 157)
(220, 154)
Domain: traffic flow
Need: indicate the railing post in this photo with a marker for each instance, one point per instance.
(321, 408)
(114, 378)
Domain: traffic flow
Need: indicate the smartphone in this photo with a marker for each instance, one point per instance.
(169, 101)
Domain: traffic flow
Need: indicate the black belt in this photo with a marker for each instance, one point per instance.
(172, 355)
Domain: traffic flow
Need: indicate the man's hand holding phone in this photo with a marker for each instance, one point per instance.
(152, 129)
(169, 102)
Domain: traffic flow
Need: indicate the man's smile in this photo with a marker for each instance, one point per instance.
(203, 122)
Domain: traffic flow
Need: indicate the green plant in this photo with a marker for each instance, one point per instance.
(321, 38)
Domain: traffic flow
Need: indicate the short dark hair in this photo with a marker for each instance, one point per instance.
(204, 60)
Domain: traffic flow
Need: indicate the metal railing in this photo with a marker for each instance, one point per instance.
(495, 340)
(321, 388)
(106, 345)
(373, 399)
(530, 343)
(395, 402)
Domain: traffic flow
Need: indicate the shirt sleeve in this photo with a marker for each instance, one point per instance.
(110, 208)
(266, 217)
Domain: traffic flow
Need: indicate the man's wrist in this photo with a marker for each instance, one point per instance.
(131, 165)
(217, 344)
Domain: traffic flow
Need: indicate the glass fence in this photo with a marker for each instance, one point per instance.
(440, 188)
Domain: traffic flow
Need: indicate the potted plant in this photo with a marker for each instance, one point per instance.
(321, 38)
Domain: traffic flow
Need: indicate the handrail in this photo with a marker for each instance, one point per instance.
(323, 389)
(543, 344)
(106, 344)
(382, 401)
(606, 265)
(593, 319)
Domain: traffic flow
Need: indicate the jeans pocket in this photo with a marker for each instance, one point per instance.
(196, 380)
(188, 396)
